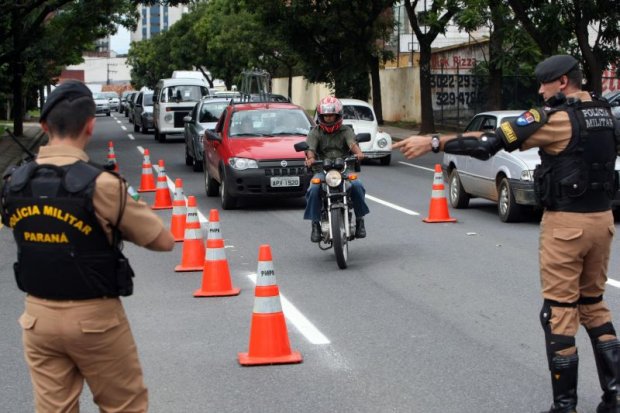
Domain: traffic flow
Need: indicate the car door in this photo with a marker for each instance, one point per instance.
(212, 147)
(482, 173)
(137, 112)
(191, 130)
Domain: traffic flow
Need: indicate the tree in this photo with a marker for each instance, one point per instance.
(565, 26)
(436, 19)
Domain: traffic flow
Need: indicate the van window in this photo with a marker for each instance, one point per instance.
(183, 93)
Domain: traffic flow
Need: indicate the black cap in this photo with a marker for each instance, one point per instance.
(69, 90)
(553, 67)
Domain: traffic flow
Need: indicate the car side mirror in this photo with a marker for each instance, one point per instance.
(362, 137)
(302, 146)
(212, 136)
(187, 119)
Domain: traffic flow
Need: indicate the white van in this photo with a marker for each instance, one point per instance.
(173, 99)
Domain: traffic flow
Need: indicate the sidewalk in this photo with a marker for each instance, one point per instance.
(11, 153)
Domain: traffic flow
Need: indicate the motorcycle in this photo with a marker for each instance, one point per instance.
(337, 216)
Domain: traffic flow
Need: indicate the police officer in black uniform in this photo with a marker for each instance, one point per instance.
(579, 140)
(68, 217)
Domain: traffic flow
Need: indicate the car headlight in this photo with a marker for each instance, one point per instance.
(382, 142)
(527, 175)
(168, 117)
(242, 164)
(333, 178)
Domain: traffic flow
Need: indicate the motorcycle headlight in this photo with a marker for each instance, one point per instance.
(333, 178)
(242, 163)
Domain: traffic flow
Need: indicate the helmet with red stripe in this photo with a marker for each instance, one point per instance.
(329, 106)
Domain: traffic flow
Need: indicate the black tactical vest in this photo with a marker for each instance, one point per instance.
(62, 251)
(582, 177)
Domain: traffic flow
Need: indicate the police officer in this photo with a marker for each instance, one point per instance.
(68, 217)
(575, 183)
(331, 140)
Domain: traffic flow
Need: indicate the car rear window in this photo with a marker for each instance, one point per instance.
(211, 112)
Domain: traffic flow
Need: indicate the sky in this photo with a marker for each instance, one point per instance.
(120, 41)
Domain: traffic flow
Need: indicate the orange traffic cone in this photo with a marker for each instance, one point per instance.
(112, 156)
(438, 211)
(193, 257)
(269, 342)
(147, 181)
(215, 274)
(162, 193)
(179, 211)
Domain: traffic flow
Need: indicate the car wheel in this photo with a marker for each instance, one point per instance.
(144, 129)
(507, 207)
(211, 186)
(458, 197)
(196, 166)
(136, 128)
(385, 161)
(109, 114)
(228, 201)
(189, 161)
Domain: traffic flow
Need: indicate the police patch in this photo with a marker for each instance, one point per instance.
(526, 118)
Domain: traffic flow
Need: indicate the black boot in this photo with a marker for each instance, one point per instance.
(360, 230)
(316, 232)
(607, 357)
(564, 383)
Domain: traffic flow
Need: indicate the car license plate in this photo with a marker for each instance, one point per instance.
(281, 181)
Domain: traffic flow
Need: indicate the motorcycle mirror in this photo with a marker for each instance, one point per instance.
(339, 163)
(301, 146)
(362, 137)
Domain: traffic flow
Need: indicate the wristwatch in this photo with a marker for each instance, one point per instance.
(435, 143)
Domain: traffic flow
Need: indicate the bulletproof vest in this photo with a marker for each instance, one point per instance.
(582, 177)
(62, 251)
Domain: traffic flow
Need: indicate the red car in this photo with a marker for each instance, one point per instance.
(251, 153)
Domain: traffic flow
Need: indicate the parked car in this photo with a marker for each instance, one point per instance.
(361, 117)
(614, 100)
(114, 100)
(203, 116)
(505, 178)
(251, 153)
(102, 103)
(131, 100)
(143, 112)
(123, 104)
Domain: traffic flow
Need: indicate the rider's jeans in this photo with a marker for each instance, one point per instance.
(313, 199)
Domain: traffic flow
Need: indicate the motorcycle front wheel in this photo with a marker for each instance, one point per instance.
(339, 238)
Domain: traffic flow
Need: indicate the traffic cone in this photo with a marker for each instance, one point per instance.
(162, 193)
(269, 342)
(147, 181)
(179, 211)
(215, 274)
(112, 156)
(193, 257)
(438, 210)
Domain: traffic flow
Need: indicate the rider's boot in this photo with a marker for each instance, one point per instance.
(564, 383)
(316, 231)
(607, 357)
(360, 230)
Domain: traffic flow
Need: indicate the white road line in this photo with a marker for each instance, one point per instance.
(303, 325)
(391, 205)
(123, 127)
(613, 283)
(417, 166)
(131, 137)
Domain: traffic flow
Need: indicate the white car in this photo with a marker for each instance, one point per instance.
(506, 178)
(361, 117)
(102, 103)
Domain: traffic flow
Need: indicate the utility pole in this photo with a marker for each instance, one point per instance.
(109, 71)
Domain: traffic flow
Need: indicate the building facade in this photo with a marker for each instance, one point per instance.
(156, 19)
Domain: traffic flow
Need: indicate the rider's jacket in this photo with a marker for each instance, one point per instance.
(582, 177)
(63, 253)
(331, 145)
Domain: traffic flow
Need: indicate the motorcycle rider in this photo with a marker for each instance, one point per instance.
(331, 140)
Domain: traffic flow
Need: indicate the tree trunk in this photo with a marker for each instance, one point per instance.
(16, 83)
(495, 50)
(290, 81)
(376, 89)
(426, 98)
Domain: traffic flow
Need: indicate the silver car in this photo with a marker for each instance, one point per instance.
(204, 116)
(506, 178)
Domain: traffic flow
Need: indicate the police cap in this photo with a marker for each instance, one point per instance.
(69, 90)
(553, 67)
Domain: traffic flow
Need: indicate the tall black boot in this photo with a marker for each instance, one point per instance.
(607, 357)
(564, 383)
(315, 236)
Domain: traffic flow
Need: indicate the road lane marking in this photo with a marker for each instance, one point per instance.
(391, 205)
(303, 325)
(131, 137)
(613, 283)
(417, 166)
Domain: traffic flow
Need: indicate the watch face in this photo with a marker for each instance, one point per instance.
(435, 143)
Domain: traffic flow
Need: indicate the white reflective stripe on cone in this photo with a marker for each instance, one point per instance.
(214, 230)
(265, 275)
(267, 305)
(178, 194)
(161, 184)
(438, 193)
(147, 171)
(192, 215)
(437, 179)
(216, 254)
(178, 210)
(192, 233)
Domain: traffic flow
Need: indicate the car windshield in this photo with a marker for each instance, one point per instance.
(184, 93)
(269, 122)
(211, 111)
(356, 112)
(487, 123)
(98, 96)
(147, 99)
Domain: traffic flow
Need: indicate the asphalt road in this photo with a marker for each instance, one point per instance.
(427, 318)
